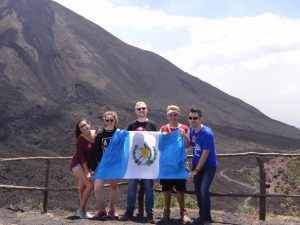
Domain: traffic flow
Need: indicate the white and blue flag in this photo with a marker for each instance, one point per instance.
(143, 155)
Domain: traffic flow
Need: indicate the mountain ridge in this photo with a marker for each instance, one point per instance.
(57, 66)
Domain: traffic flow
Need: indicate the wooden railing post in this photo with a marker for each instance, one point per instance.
(141, 193)
(262, 188)
(45, 203)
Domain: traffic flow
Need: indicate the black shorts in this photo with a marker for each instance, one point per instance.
(169, 184)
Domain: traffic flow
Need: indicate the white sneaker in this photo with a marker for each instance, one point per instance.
(83, 214)
(88, 215)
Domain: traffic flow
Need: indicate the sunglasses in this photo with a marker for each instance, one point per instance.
(193, 118)
(111, 120)
(82, 126)
(142, 108)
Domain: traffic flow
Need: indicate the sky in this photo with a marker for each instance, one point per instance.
(249, 49)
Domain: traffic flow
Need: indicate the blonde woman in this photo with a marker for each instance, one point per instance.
(110, 120)
(81, 162)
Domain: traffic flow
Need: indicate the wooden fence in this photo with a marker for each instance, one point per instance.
(262, 181)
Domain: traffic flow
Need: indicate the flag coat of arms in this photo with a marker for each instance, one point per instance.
(143, 155)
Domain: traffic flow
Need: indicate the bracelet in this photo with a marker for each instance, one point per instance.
(197, 170)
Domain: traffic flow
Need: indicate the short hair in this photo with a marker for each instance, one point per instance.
(140, 102)
(172, 108)
(111, 113)
(193, 110)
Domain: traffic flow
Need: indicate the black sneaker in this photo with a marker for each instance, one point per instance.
(150, 218)
(127, 216)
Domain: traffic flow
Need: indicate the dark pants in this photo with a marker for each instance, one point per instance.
(202, 182)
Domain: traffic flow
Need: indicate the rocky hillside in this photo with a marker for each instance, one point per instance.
(56, 66)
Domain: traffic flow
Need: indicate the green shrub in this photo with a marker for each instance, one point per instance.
(293, 169)
(190, 203)
(291, 207)
(159, 201)
(241, 209)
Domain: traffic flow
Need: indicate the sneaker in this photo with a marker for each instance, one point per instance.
(112, 213)
(184, 217)
(100, 214)
(150, 218)
(166, 216)
(88, 215)
(127, 216)
(83, 214)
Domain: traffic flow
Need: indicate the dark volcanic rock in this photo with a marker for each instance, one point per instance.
(57, 66)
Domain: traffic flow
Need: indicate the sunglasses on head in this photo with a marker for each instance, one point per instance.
(109, 120)
(142, 108)
(193, 117)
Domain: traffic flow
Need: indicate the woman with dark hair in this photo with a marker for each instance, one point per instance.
(81, 163)
(110, 119)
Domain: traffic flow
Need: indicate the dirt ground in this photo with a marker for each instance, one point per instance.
(13, 217)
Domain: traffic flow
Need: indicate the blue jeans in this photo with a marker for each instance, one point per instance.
(202, 182)
(132, 191)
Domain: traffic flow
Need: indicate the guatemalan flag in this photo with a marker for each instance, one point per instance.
(143, 155)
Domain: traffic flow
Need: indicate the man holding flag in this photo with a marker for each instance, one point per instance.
(142, 123)
(179, 184)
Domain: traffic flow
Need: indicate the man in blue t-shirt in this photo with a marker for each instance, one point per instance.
(204, 162)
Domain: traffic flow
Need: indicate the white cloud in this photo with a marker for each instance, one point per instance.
(289, 89)
(253, 58)
(145, 46)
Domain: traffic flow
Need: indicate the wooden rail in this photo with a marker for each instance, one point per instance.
(189, 156)
(262, 177)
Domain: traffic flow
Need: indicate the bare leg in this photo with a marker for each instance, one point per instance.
(99, 187)
(113, 194)
(183, 215)
(180, 199)
(81, 190)
(167, 195)
(88, 186)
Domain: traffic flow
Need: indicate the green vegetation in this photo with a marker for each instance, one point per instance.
(241, 209)
(190, 203)
(159, 201)
(293, 170)
(296, 212)
(291, 206)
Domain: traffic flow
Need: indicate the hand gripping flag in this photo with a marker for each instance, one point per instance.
(143, 155)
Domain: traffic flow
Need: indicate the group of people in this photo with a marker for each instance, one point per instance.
(91, 145)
